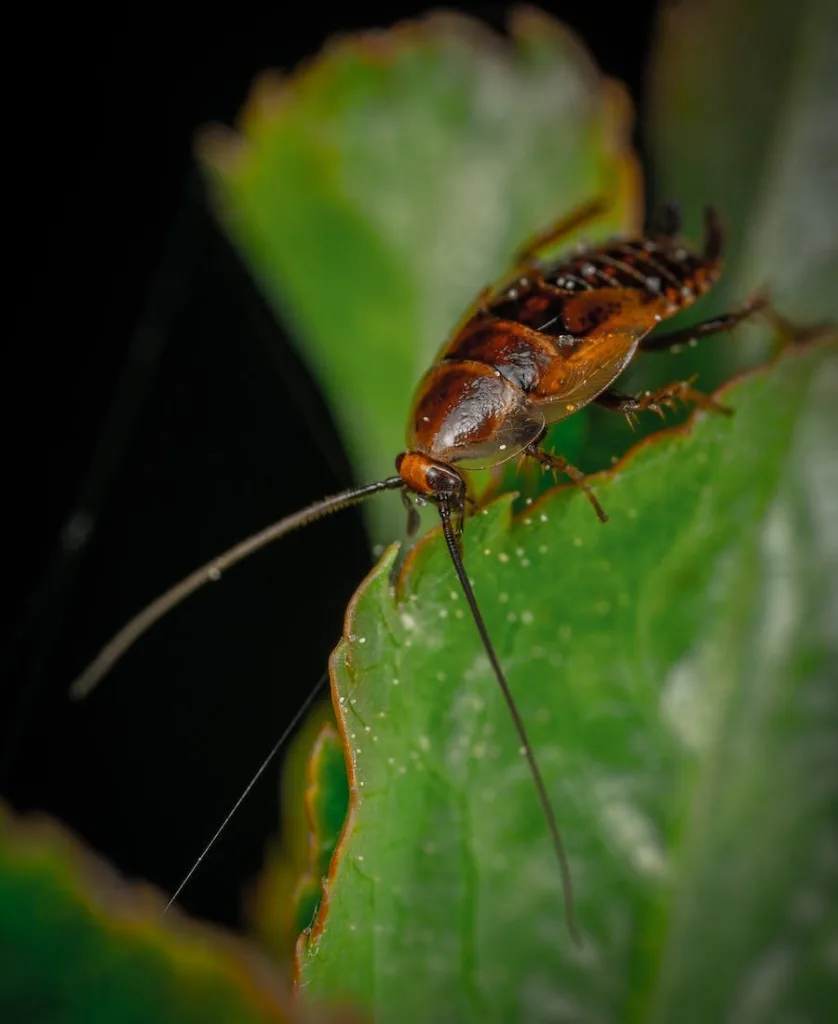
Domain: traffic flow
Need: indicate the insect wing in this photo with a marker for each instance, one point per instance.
(510, 440)
(587, 370)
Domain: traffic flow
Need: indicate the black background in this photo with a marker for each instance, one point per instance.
(148, 393)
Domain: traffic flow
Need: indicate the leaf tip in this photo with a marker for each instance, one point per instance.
(220, 150)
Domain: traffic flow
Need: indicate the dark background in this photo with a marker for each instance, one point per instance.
(153, 414)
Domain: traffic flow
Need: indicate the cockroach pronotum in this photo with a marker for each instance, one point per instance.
(550, 339)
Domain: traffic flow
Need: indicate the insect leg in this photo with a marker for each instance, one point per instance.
(413, 520)
(713, 234)
(674, 341)
(559, 464)
(655, 401)
(667, 221)
(530, 250)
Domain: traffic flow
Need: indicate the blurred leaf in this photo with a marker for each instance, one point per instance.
(676, 670)
(271, 901)
(744, 115)
(315, 801)
(327, 803)
(377, 191)
(77, 945)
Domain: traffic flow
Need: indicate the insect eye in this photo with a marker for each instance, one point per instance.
(444, 481)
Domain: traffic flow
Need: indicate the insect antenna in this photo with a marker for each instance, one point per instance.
(211, 571)
(451, 538)
(257, 775)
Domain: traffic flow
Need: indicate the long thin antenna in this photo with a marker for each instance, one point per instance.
(259, 772)
(212, 570)
(558, 845)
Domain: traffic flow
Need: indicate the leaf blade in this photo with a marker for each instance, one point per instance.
(617, 756)
(77, 945)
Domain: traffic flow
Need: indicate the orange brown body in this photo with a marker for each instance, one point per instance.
(554, 338)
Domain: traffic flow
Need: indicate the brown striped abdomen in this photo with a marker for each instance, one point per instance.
(550, 341)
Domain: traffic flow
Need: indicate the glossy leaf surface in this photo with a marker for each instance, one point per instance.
(675, 669)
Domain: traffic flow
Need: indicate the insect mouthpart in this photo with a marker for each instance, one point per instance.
(429, 478)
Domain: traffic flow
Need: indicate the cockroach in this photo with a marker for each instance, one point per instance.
(550, 339)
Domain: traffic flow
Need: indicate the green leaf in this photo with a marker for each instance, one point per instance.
(77, 945)
(285, 896)
(743, 116)
(327, 803)
(375, 193)
(676, 671)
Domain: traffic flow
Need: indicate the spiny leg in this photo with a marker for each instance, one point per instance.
(529, 251)
(559, 464)
(667, 396)
(674, 341)
(791, 333)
